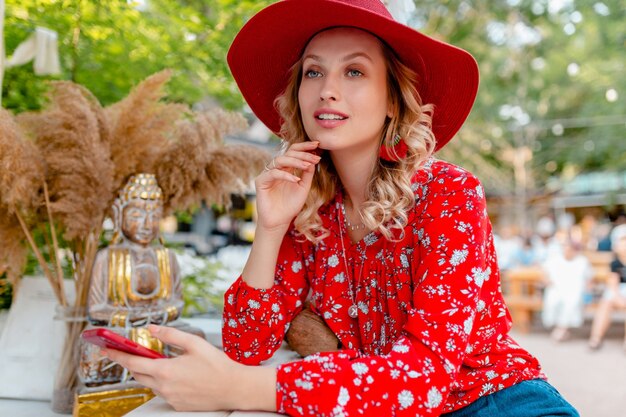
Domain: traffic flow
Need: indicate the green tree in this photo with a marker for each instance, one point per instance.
(547, 69)
(110, 46)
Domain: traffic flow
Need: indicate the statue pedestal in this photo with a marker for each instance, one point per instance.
(109, 401)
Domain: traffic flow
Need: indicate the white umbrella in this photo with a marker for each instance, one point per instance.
(41, 46)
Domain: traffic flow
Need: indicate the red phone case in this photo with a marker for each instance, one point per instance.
(111, 340)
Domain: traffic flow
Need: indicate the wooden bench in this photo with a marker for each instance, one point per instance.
(601, 263)
(522, 293)
(522, 288)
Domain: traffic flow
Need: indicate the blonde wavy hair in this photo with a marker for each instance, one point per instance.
(389, 195)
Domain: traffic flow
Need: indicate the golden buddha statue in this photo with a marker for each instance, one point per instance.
(135, 280)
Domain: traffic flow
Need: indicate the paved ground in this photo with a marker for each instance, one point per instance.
(593, 381)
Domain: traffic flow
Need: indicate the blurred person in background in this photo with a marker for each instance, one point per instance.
(508, 245)
(603, 237)
(615, 294)
(545, 243)
(567, 276)
(604, 243)
(526, 254)
(584, 232)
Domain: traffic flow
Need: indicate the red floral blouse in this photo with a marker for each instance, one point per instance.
(431, 332)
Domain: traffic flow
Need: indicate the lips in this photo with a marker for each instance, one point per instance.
(329, 119)
(329, 114)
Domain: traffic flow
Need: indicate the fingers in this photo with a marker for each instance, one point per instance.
(297, 156)
(304, 146)
(307, 177)
(146, 380)
(277, 174)
(187, 341)
(134, 363)
(296, 160)
(305, 151)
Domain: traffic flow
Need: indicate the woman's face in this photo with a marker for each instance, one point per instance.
(343, 94)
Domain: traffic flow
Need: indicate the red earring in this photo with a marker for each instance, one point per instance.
(396, 151)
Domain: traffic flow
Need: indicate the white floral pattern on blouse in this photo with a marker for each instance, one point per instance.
(431, 334)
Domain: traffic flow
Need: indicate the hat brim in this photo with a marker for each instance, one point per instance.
(273, 40)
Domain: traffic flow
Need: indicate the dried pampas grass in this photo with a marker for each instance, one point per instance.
(141, 125)
(213, 125)
(72, 136)
(234, 167)
(21, 180)
(81, 155)
(14, 252)
(197, 166)
(21, 168)
(79, 158)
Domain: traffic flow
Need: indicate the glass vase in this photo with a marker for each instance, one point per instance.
(66, 381)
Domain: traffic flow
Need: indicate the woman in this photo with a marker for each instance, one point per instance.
(391, 247)
(614, 296)
(567, 277)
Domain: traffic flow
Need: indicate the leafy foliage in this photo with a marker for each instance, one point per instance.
(109, 46)
(6, 292)
(201, 279)
(547, 69)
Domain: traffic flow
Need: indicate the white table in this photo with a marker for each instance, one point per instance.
(158, 407)
(27, 408)
(23, 408)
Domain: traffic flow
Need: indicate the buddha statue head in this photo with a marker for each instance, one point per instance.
(138, 210)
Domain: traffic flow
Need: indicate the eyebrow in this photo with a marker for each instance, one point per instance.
(344, 59)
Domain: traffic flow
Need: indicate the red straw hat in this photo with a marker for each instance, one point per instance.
(274, 39)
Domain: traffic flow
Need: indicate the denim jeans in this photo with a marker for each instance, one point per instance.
(534, 398)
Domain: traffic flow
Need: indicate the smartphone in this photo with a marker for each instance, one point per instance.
(111, 340)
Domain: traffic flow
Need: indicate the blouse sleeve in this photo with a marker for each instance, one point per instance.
(414, 379)
(255, 320)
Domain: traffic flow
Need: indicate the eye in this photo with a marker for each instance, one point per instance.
(312, 74)
(354, 73)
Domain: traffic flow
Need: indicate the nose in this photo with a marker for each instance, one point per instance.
(147, 222)
(330, 89)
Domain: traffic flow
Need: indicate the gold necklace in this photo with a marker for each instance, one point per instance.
(353, 310)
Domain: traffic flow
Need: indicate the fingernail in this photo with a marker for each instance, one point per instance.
(153, 329)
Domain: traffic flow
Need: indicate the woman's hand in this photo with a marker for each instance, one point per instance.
(280, 193)
(203, 378)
